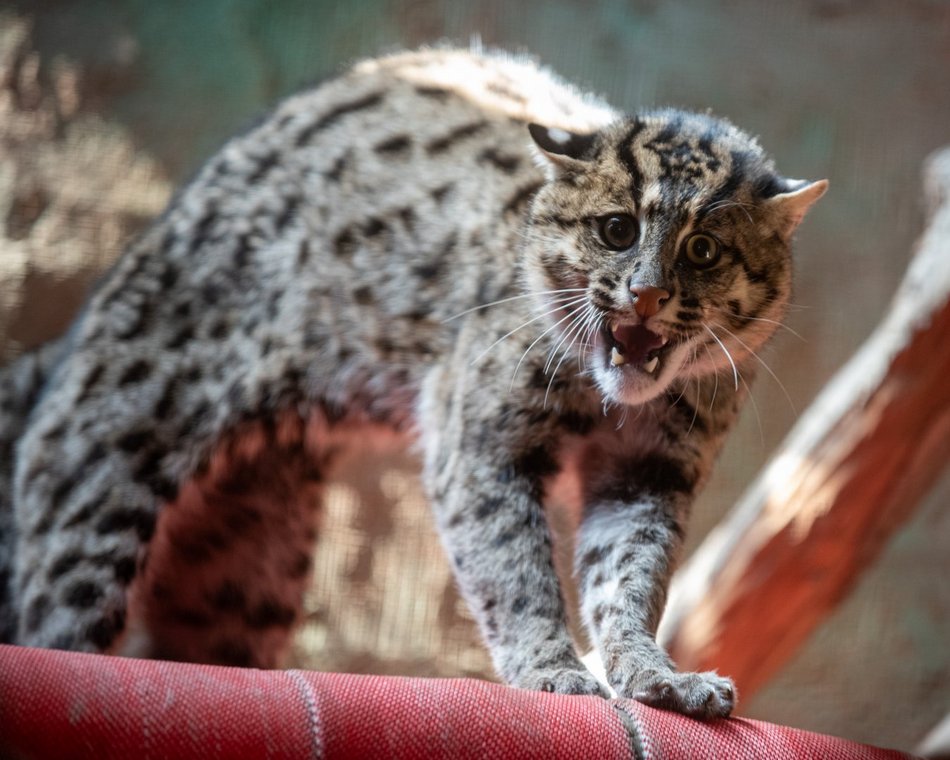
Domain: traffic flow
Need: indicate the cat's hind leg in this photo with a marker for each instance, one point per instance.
(230, 560)
(118, 444)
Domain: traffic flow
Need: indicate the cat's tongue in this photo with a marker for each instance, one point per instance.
(634, 342)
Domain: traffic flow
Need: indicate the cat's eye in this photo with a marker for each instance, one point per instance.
(618, 231)
(702, 251)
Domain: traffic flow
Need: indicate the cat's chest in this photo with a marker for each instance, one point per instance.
(620, 435)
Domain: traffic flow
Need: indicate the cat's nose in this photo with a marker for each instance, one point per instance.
(648, 299)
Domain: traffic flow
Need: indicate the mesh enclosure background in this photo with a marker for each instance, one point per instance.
(383, 599)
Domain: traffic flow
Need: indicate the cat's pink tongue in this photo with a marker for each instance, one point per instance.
(635, 341)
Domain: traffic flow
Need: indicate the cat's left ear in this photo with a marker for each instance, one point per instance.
(560, 150)
(791, 206)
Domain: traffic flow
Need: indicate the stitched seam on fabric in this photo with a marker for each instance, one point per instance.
(634, 733)
(310, 699)
(649, 751)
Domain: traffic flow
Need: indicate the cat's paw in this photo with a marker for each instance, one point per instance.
(563, 681)
(699, 695)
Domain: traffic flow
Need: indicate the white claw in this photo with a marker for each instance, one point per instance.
(617, 358)
(650, 366)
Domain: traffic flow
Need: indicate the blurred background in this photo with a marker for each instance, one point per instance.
(107, 105)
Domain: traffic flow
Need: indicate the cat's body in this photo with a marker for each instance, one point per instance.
(329, 272)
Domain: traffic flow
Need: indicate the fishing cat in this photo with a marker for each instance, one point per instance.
(451, 245)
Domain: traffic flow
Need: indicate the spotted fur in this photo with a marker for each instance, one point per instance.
(397, 250)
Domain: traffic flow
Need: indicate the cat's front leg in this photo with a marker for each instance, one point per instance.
(628, 542)
(484, 482)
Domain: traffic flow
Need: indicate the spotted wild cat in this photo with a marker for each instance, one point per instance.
(453, 246)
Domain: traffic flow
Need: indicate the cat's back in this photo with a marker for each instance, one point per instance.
(396, 132)
(497, 84)
(388, 124)
(400, 184)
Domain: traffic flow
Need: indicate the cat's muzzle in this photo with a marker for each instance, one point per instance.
(634, 345)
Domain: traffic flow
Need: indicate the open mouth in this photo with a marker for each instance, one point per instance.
(634, 345)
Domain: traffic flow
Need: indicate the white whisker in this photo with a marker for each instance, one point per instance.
(574, 330)
(525, 324)
(623, 416)
(724, 204)
(760, 361)
(695, 406)
(715, 375)
(797, 306)
(677, 399)
(762, 319)
(533, 344)
(568, 334)
(755, 408)
(567, 292)
(565, 335)
(735, 372)
(591, 325)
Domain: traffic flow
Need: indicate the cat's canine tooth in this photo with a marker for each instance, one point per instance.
(617, 358)
(650, 366)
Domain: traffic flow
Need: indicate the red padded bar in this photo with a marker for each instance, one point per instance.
(66, 705)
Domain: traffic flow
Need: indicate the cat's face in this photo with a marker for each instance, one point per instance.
(661, 247)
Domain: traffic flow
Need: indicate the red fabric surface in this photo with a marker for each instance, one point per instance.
(64, 705)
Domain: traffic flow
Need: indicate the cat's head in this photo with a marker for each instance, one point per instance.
(661, 247)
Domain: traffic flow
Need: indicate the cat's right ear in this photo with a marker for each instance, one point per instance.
(559, 150)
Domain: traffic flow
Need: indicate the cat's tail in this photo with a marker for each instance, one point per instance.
(21, 383)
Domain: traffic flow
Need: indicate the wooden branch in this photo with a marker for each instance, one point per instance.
(850, 472)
